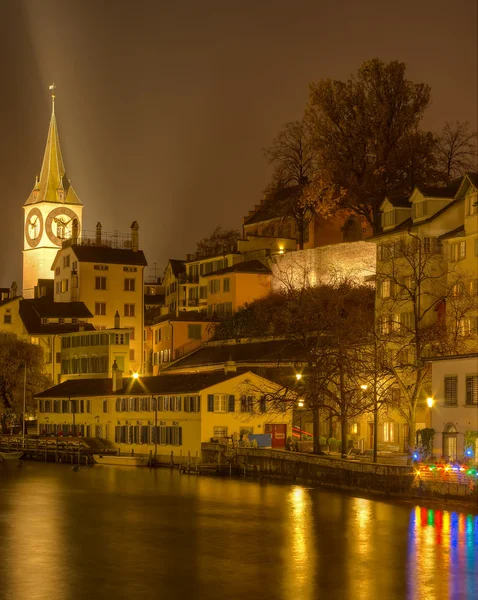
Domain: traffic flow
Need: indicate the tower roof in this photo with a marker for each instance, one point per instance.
(53, 184)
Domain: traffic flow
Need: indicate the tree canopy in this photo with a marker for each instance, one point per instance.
(361, 127)
(15, 356)
(221, 241)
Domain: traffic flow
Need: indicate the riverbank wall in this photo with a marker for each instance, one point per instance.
(327, 471)
(404, 481)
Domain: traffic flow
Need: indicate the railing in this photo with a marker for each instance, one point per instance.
(187, 348)
(108, 239)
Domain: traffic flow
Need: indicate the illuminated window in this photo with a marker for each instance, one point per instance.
(385, 288)
(389, 432)
(220, 402)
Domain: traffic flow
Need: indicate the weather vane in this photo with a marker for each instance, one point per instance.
(52, 88)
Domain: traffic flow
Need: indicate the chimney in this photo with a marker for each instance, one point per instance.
(230, 366)
(74, 231)
(98, 234)
(14, 290)
(117, 378)
(134, 236)
(117, 320)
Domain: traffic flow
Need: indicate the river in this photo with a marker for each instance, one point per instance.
(123, 532)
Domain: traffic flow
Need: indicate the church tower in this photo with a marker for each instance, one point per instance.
(49, 212)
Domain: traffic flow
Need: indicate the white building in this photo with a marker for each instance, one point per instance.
(455, 408)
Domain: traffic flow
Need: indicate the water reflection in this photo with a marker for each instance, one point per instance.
(299, 552)
(135, 533)
(442, 554)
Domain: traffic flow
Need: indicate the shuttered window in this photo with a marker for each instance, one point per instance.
(232, 402)
(210, 402)
(472, 389)
(451, 390)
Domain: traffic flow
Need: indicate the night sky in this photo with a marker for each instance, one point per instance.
(164, 107)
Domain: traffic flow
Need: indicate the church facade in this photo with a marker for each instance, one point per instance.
(49, 213)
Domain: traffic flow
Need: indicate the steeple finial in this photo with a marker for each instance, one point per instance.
(52, 88)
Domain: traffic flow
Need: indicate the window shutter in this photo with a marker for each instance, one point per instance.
(451, 390)
(263, 404)
(231, 407)
(210, 402)
(198, 404)
(178, 403)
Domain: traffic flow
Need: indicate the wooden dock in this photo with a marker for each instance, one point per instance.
(71, 450)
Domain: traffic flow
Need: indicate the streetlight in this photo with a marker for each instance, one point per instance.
(301, 405)
(135, 375)
(298, 376)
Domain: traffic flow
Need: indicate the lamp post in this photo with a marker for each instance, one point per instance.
(300, 404)
(24, 403)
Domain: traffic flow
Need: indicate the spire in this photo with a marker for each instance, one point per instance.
(53, 184)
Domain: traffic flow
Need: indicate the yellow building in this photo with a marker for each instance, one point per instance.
(174, 336)
(162, 414)
(49, 213)
(90, 354)
(426, 268)
(230, 288)
(109, 280)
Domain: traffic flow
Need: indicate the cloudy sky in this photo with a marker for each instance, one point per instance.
(164, 107)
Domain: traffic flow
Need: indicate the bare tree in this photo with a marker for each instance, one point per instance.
(296, 173)
(456, 150)
(328, 328)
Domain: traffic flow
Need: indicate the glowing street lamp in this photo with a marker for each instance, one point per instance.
(298, 376)
(364, 387)
(135, 375)
(430, 402)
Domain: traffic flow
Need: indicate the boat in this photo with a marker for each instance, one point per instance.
(11, 455)
(121, 461)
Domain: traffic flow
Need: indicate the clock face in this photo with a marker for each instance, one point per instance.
(34, 227)
(58, 224)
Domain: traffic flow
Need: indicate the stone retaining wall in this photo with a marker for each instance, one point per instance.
(332, 472)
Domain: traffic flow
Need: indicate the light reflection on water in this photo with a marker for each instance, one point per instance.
(107, 532)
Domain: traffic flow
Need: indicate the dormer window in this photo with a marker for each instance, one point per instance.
(388, 218)
(472, 205)
(419, 210)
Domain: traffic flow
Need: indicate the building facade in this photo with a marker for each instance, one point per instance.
(109, 281)
(163, 414)
(455, 408)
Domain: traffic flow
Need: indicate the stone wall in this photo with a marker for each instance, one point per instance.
(354, 261)
(332, 472)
